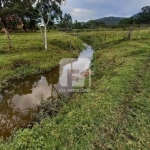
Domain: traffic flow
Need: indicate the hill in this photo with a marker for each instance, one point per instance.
(107, 20)
(110, 20)
(113, 20)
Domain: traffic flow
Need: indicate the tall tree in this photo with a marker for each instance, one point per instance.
(48, 10)
(56, 15)
(5, 14)
(66, 21)
(14, 12)
(144, 15)
(27, 13)
(77, 25)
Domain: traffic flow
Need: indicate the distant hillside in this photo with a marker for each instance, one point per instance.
(110, 20)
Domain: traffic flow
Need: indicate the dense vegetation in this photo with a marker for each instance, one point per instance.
(141, 18)
(25, 14)
(115, 115)
(28, 56)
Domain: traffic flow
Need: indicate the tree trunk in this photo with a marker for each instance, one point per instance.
(7, 32)
(8, 37)
(42, 35)
(24, 25)
(35, 27)
(45, 37)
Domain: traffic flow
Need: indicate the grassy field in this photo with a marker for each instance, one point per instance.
(114, 116)
(100, 39)
(28, 56)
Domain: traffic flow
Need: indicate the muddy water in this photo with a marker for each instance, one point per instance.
(19, 101)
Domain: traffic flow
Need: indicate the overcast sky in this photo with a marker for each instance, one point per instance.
(84, 10)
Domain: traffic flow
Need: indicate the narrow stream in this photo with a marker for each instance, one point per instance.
(19, 101)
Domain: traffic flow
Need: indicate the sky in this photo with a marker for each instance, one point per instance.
(84, 10)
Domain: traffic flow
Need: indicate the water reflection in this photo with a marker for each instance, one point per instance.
(18, 102)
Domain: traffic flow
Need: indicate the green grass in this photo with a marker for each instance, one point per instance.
(97, 38)
(115, 115)
(28, 56)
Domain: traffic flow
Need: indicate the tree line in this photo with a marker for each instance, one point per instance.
(25, 14)
(141, 18)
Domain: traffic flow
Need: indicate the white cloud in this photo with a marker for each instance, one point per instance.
(93, 9)
(79, 13)
(82, 14)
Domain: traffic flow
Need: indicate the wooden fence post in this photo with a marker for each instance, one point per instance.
(126, 33)
(70, 46)
(105, 41)
(130, 33)
(138, 33)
